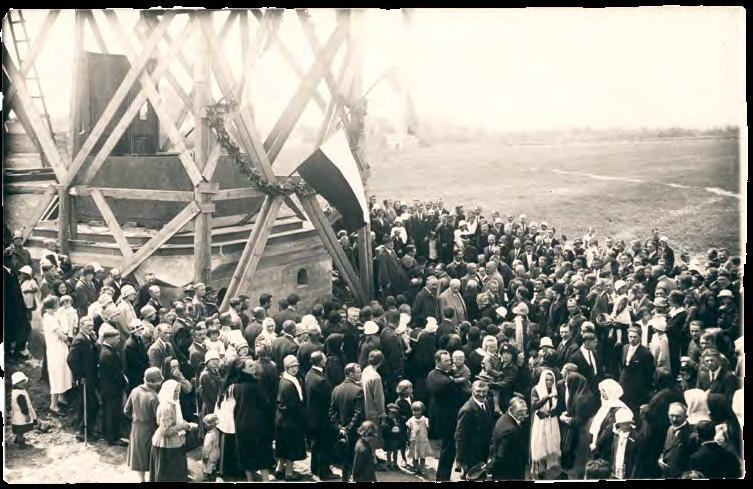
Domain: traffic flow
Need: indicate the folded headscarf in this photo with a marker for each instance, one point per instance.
(698, 408)
(167, 395)
(541, 387)
(612, 392)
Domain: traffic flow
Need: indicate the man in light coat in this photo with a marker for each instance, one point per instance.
(453, 299)
(373, 393)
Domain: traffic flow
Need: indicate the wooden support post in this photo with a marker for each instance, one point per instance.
(254, 248)
(365, 263)
(202, 146)
(329, 239)
(64, 219)
(44, 202)
(74, 113)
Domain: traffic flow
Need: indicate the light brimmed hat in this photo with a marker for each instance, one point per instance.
(546, 342)
(520, 308)
(431, 325)
(18, 234)
(211, 355)
(127, 290)
(501, 311)
(135, 325)
(301, 329)
(290, 361)
(18, 377)
(725, 293)
(26, 269)
(153, 375)
(370, 327)
(147, 311)
(619, 284)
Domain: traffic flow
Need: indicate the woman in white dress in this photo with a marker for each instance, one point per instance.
(546, 405)
(56, 343)
(68, 316)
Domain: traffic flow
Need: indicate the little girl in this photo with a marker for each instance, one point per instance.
(403, 403)
(392, 435)
(210, 453)
(68, 316)
(418, 429)
(23, 416)
(29, 288)
(213, 342)
(364, 464)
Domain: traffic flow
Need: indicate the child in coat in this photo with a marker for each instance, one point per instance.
(23, 416)
(418, 436)
(392, 435)
(364, 463)
(210, 452)
(404, 413)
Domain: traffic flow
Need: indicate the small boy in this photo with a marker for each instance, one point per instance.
(460, 370)
(23, 416)
(210, 453)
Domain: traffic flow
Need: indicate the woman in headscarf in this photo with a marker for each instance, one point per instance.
(168, 462)
(720, 410)
(603, 422)
(698, 408)
(171, 370)
(141, 407)
(253, 444)
(56, 350)
(580, 405)
(182, 341)
(334, 368)
(267, 335)
(547, 402)
(229, 466)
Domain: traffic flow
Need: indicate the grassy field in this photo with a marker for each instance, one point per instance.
(688, 188)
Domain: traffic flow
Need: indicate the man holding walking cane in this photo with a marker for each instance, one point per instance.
(83, 358)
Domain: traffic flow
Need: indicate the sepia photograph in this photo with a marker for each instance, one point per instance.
(373, 245)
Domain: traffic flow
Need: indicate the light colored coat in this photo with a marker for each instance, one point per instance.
(373, 397)
(450, 299)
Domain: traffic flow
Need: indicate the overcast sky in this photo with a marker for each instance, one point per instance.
(522, 69)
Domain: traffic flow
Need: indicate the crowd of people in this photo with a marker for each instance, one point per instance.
(495, 346)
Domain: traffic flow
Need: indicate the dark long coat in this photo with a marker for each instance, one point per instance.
(290, 423)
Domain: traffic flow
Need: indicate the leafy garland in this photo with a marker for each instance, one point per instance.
(216, 119)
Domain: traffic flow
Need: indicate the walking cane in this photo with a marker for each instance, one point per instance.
(86, 427)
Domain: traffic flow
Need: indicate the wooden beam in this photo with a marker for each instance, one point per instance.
(95, 30)
(116, 231)
(117, 98)
(74, 108)
(239, 193)
(161, 237)
(64, 219)
(40, 130)
(227, 25)
(287, 121)
(254, 248)
(151, 21)
(34, 49)
(365, 264)
(202, 136)
(148, 91)
(329, 239)
(135, 194)
(49, 195)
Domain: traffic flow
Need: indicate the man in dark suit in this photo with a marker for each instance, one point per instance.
(289, 313)
(83, 360)
(566, 347)
(318, 399)
(391, 346)
(508, 451)
(112, 385)
(346, 413)
(391, 275)
(418, 229)
(715, 378)
(135, 356)
(636, 371)
(457, 268)
(445, 399)
(585, 358)
(284, 345)
(474, 429)
(558, 309)
(162, 347)
(680, 443)
(254, 328)
(426, 303)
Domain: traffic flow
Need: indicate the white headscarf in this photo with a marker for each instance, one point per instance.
(541, 387)
(167, 395)
(611, 399)
(698, 408)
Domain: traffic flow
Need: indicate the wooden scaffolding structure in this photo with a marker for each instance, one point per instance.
(74, 174)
